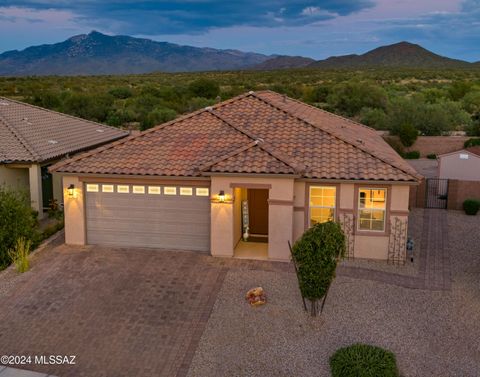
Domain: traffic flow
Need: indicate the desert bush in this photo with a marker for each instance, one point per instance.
(471, 206)
(17, 220)
(407, 134)
(413, 155)
(471, 142)
(19, 254)
(316, 255)
(204, 87)
(363, 360)
(432, 156)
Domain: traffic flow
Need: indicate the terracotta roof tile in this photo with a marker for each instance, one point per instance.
(30, 133)
(264, 133)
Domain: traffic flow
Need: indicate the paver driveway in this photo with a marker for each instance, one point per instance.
(121, 312)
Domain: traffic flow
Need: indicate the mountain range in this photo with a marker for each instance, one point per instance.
(99, 54)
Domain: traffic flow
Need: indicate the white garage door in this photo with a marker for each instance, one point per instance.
(170, 217)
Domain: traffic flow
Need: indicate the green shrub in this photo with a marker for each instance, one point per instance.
(19, 254)
(472, 142)
(413, 155)
(52, 229)
(17, 220)
(471, 206)
(316, 254)
(204, 88)
(363, 360)
(432, 156)
(121, 92)
(407, 134)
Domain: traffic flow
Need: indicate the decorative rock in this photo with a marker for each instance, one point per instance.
(256, 296)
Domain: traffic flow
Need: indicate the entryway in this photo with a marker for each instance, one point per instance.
(252, 210)
(436, 193)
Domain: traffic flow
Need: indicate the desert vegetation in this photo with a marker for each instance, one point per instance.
(407, 102)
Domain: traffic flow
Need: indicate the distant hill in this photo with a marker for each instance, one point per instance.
(403, 54)
(284, 62)
(96, 53)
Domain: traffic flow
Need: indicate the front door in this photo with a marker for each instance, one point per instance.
(47, 187)
(258, 210)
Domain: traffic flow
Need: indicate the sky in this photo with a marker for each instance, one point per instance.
(316, 29)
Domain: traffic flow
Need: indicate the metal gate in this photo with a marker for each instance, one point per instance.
(436, 193)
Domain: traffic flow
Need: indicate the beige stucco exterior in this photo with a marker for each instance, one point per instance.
(462, 165)
(288, 214)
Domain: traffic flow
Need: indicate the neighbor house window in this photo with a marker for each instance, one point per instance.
(372, 207)
(322, 204)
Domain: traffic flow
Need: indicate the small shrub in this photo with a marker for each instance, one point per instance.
(432, 156)
(472, 142)
(395, 144)
(316, 254)
(407, 134)
(19, 254)
(413, 155)
(471, 206)
(363, 360)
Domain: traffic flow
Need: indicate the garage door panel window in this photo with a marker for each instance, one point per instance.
(138, 189)
(170, 190)
(92, 187)
(322, 202)
(202, 191)
(123, 189)
(154, 190)
(372, 206)
(107, 188)
(186, 191)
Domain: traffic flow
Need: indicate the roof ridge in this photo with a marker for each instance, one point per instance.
(60, 113)
(20, 138)
(334, 134)
(260, 142)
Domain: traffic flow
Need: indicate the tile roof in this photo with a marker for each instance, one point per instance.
(31, 134)
(258, 132)
(474, 150)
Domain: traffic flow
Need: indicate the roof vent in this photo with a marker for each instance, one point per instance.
(259, 141)
(360, 141)
(53, 142)
(100, 130)
(251, 92)
(209, 108)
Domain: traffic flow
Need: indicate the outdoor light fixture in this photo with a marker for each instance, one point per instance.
(221, 196)
(71, 190)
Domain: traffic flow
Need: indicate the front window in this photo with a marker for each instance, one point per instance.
(322, 204)
(372, 208)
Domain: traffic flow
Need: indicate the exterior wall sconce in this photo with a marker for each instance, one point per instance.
(221, 197)
(71, 191)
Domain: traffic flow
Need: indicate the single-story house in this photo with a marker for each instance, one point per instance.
(32, 139)
(463, 165)
(241, 179)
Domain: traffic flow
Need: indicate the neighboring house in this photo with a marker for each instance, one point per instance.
(32, 138)
(280, 163)
(463, 165)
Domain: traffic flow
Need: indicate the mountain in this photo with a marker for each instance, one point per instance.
(97, 53)
(403, 54)
(284, 62)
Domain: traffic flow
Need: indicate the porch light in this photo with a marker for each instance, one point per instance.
(71, 190)
(221, 196)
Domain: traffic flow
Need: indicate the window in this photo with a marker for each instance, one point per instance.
(322, 204)
(107, 188)
(138, 189)
(92, 188)
(155, 190)
(170, 190)
(186, 191)
(372, 208)
(201, 191)
(123, 189)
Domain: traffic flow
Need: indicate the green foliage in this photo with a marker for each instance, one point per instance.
(316, 254)
(413, 155)
(396, 145)
(432, 156)
(204, 87)
(88, 106)
(19, 254)
(459, 89)
(351, 96)
(407, 134)
(375, 118)
(471, 206)
(16, 221)
(121, 93)
(52, 229)
(158, 116)
(472, 142)
(363, 360)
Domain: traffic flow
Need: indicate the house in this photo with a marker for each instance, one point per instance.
(32, 138)
(463, 165)
(241, 179)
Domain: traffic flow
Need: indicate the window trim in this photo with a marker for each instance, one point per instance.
(307, 200)
(388, 193)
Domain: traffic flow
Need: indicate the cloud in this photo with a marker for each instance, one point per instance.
(150, 17)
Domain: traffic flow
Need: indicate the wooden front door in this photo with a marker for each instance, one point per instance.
(258, 211)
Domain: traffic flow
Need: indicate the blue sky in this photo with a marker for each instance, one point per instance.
(310, 28)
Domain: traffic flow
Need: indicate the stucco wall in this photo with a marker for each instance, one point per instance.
(74, 208)
(14, 178)
(453, 167)
(280, 222)
(237, 216)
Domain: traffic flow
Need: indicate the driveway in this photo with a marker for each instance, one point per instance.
(121, 312)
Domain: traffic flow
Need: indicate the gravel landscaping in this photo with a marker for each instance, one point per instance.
(432, 333)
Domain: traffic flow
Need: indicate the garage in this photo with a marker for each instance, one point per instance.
(153, 216)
